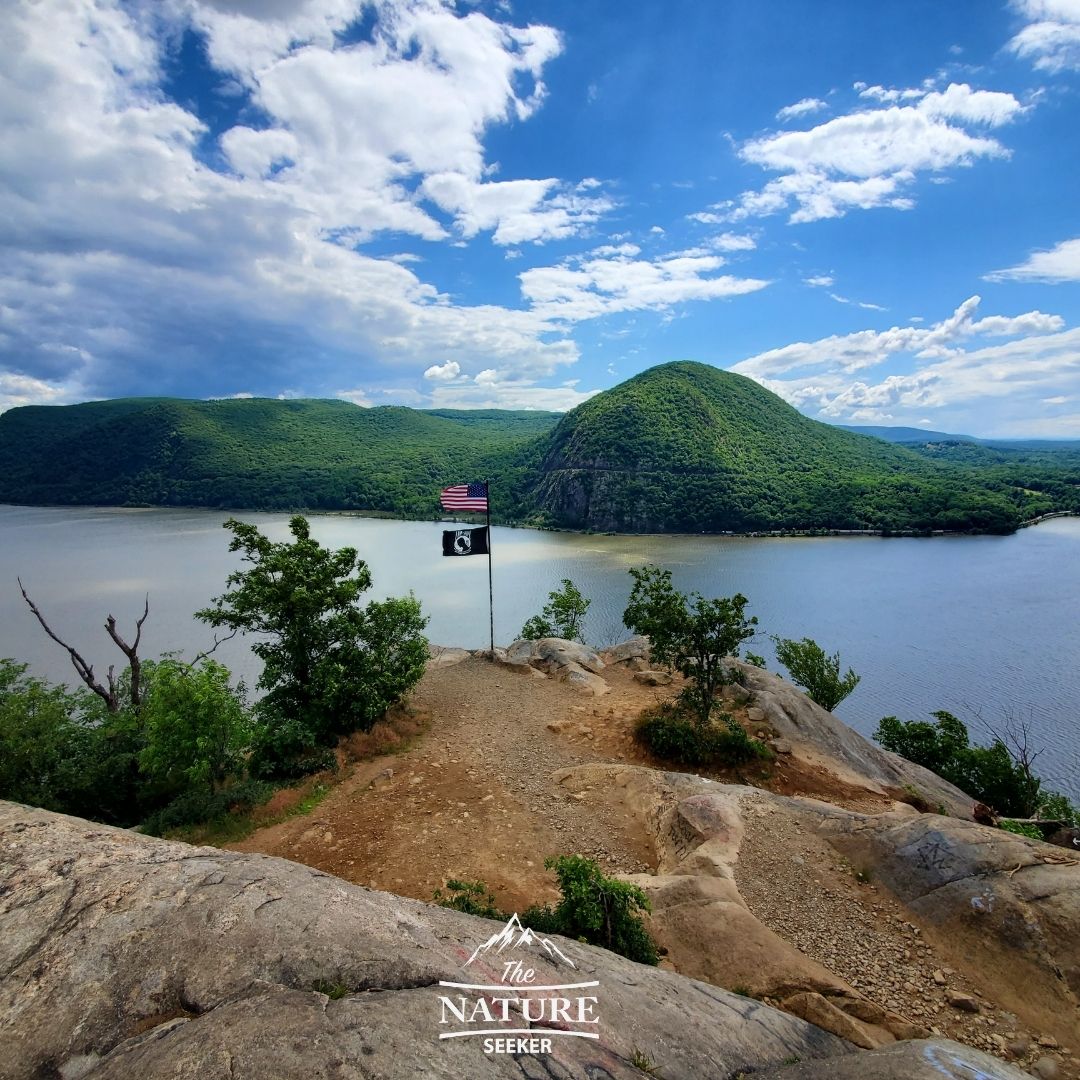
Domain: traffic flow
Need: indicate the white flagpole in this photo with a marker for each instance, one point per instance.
(491, 593)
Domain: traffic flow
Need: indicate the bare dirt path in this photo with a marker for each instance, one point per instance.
(474, 799)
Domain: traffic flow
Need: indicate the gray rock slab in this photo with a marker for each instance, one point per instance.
(916, 1059)
(126, 956)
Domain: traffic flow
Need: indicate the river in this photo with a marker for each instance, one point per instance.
(982, 626)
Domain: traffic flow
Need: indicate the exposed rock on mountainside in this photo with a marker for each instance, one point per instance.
(982, 901)
(127, 956)
(685, 447)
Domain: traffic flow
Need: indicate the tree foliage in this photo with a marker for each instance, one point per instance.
(563, 615)
(329, 666)
(597, 909)
(987, 773)
(196, 725)
(816, 671)
(691, 634)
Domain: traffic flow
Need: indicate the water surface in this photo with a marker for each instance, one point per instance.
(976, 625)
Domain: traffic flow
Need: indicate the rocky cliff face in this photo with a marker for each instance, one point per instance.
(126, 956)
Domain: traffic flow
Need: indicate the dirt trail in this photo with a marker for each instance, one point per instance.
(474, 799)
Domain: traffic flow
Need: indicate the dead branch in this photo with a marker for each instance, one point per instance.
(213, 648)
(85, 670)
(131, 652)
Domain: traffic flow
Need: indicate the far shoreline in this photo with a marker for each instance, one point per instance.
(758, 534)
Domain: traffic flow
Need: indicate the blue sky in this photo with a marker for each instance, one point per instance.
(870, 208)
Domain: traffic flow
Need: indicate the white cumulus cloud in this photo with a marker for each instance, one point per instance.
(871, 157)
(1060, 263)
(1051, 37)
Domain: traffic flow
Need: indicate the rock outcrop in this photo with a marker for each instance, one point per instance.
(125, 956)
(1004, 908)
(568, 661)
(816, 735)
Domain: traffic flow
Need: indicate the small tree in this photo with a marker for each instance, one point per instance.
(690, 634)
(562, 616)
(195, 724)
(330, 667)
(815, 671)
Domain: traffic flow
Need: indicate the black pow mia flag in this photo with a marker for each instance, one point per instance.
(465, 541)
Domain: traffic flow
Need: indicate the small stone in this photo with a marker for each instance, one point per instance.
(961, 1001)
(781, 746)
(1019, 1047)
(1046, 1068)
(1048, 1042)
(939, 977)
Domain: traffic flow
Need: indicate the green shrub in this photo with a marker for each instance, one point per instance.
(989, 774)
(562, 616)
(1053, 806)
(815, 671)
(330, 667)
(673, 736)
(196, 725)
(201, 806)
(688, 633)
(1021, 828)
(471, 897)
(596, 909)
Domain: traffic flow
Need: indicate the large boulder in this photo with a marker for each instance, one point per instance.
(1011, 904)
(816, 735)
(919, 1059)
(126, 956)
(567, 661)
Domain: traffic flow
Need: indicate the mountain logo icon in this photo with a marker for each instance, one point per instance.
(515, 936)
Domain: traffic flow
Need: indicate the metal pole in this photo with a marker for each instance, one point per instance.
(491, 593)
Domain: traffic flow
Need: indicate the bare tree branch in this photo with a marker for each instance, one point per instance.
(213, 648)
(131, 652)
(85, 670)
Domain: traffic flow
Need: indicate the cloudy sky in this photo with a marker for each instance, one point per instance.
(871, 208)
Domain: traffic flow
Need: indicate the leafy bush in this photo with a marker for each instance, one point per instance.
(818, 673)
(471, 897)
(48, 753)
(690, 634)
(1021, 828)
(200, 805)
(673, 736)
(1053, 806)
(562, 616)
(988, 773)
(196, 726)
(596, 909)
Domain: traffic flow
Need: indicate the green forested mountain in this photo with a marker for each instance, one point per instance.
(681, 447)
(255, 453)
(686, 447)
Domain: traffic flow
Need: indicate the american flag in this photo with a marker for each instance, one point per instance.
(465, 497)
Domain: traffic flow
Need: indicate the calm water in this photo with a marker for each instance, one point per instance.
(971, 624)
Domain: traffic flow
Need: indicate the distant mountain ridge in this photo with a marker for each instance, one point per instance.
(682, 447)
(905, 434)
